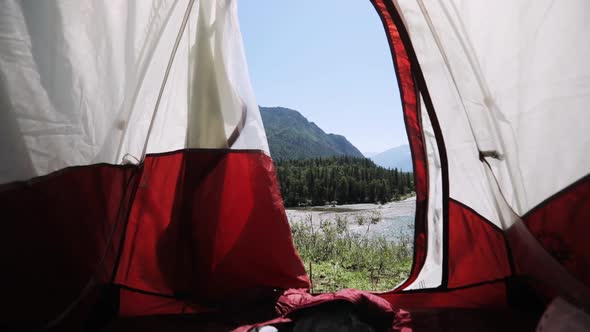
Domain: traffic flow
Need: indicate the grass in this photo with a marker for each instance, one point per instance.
(337, 258)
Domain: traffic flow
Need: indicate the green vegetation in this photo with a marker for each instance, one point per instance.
(322, 170)
(340, 180)
(291, 136)
(337, 258)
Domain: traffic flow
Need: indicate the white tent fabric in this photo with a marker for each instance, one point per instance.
(499, 72)
(79, 82)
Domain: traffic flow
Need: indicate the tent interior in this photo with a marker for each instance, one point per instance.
(138, 192)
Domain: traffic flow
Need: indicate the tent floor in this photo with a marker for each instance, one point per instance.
(452, 319)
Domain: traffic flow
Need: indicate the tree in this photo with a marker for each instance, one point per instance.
(345, 179)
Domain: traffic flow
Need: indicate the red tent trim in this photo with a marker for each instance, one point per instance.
(562, 224)
(411, 83)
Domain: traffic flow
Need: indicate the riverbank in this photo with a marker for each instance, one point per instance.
(363, 246)
(395, 217)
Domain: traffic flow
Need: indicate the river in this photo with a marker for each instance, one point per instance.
(394, 217)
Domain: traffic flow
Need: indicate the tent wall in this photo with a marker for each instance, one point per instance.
(566, 241)
(80, 82)
(193, 228)
(501, 129)
(61, 235)
(509, 81)
(135, 175)
(207, 227)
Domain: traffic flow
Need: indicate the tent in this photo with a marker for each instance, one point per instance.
(136, 179)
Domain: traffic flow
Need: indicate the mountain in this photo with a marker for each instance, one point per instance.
(399, 157)
(291, 136)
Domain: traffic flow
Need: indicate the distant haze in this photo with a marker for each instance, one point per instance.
(399, 157)
(330, 60)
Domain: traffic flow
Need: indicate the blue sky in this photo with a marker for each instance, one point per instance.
(328, 59)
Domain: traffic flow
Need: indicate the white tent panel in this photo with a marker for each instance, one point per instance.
(498, 77)
(467, 182)
(79, 81)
